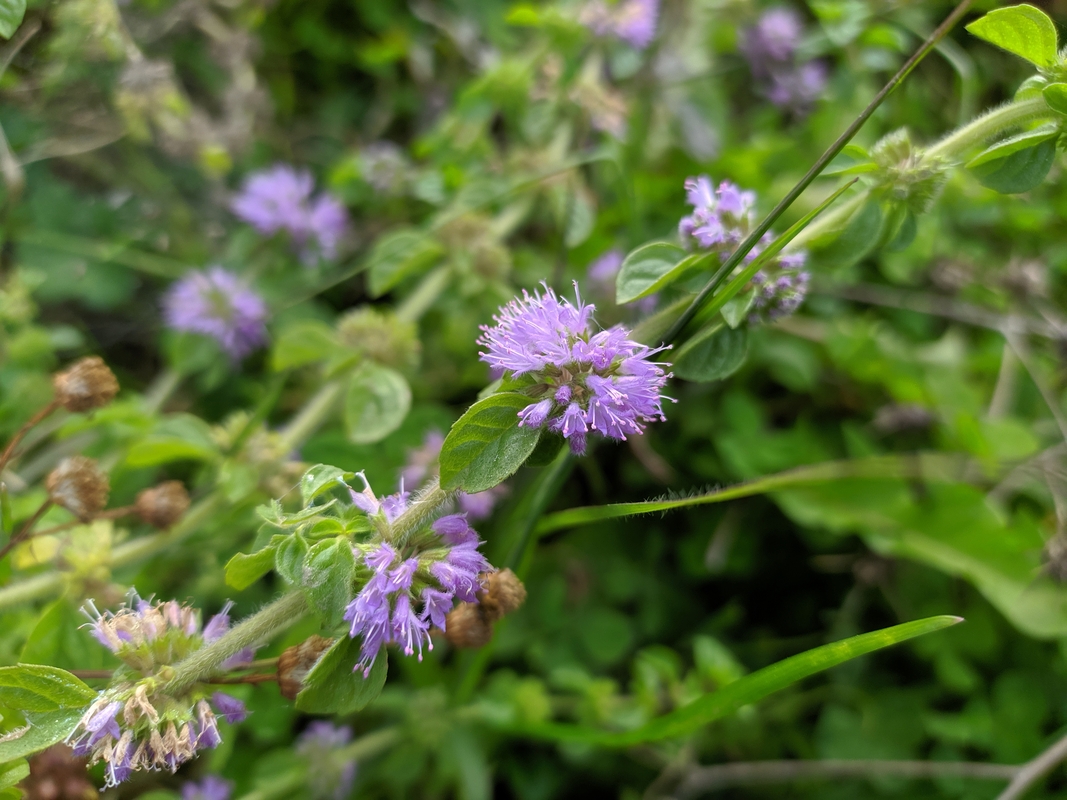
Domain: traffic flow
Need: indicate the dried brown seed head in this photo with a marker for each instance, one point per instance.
(78, 485)
(56, 774)
(467, 626)
(296, 662)
(162, 505)
(503, 593)
(85, 385)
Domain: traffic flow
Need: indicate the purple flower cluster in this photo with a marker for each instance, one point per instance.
(722, 218)
(279, 199)
(330, 772)
(632, 21)
(135, 725)
(770, 46)
(216, 303)
(422, 465)
(582, 381)
(211, 787)
(412, 588)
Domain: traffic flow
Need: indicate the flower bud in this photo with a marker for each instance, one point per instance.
(503, 593)
(85, 385)
(296, 662)
(380, 336)
(57, 774)
(78, 485)
(162, 505)
(466, 626)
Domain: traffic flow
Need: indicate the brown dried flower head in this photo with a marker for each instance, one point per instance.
(503, 593)
(162, 505)
(78, 485)
(471, 624)
(466, 626)
(296, 662)
(56, 774)
(85, 385)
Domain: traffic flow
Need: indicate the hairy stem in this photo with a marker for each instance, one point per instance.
(256, 629)
(312, 415)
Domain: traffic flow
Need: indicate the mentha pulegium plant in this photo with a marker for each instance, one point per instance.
(136, 723)
(413, 581)
(217, 303)
(581, 381)
(722, 218)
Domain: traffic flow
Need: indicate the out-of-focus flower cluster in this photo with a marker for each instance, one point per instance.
(136, 724)
(722, 218)
(770, 46)
(217, 303)
(413, 583)
(331, 772)
(280, 199)
(632, 21)
(582, 381)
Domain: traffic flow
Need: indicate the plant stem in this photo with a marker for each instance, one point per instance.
(9, 451)
(1034, 770)
(419, 301)
(700, 780)
(1007, 116)
(256, 629)
(754, 237)
(312, 415)
(23, 534)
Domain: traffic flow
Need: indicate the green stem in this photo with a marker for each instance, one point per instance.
(256, 629)
(952, 148)
(312, 415)
(429, 289)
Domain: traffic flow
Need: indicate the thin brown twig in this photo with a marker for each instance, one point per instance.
(1034, 770)
(9, 451)
(23, 534)
(700, 780)
(114, 513)
(949, 308)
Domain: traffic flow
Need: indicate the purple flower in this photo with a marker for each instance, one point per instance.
(218, 624)
(551, 339)
(604, 269)
(391, 506)
(632, 21)
(720, 218)
(455, 529)
(215, 303)
(774, 38)
(410, 632)
(229, 708)
(799, 88)
(279, 199)
(210, 787)
(458, 572)
(436, 606)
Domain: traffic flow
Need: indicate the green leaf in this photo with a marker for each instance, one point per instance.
(650, 268)
(1055, 95)
(744, 691)
(714, 353)
(289, 558)
(548, 447)
(400, 255)
(327, 580)
(735, 311)
(319, 479)
(1022, 30)
(176, 438)
(852, 160)
(1015, 144)
(332, 687)
(12, 772)
(59, 639)
(11, 14)
(244, 569)
(1019, 172)
(858, 238)
(486, 445)
(37, 688)
(376, 402)
(43, 731)
(304, 342)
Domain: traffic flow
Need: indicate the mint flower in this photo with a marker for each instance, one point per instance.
(581, 382)
(216, 303)
(632, 21)
(279, 199)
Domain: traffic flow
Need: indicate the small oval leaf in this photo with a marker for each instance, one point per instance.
(1019, 172)
(648, 269)
(1022, 30)
(713, 354)
(377, 400)
(486, 445)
